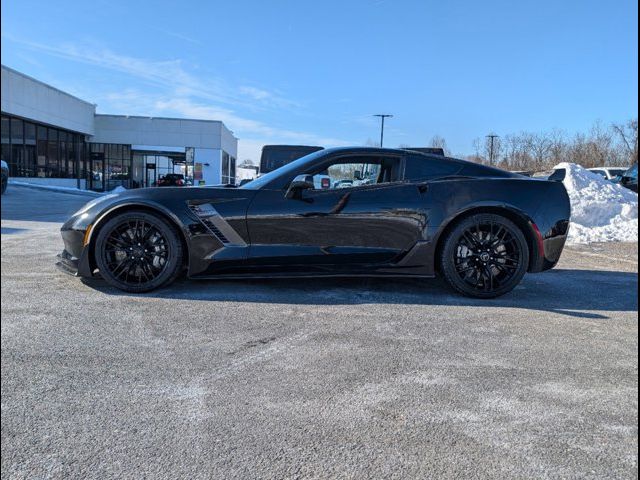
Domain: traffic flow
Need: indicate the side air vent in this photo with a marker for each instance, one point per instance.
(205, 214)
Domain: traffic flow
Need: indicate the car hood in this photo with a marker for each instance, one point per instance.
(168, 199)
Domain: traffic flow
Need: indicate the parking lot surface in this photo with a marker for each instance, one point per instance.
(350, 378)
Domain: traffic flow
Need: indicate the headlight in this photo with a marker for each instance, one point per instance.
(93, 203)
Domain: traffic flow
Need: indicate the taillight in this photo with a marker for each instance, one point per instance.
(325, 183)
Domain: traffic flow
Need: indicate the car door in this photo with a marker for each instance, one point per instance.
(367, 223)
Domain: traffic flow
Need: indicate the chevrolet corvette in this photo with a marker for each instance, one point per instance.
(383, 213)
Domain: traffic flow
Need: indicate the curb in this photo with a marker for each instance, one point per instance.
(87, 193)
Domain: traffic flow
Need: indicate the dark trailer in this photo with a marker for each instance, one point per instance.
(276, 156)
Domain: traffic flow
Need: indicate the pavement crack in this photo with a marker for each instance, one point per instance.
(252, 344)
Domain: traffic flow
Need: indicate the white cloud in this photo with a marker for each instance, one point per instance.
(169, 74)
(180, 93)
(253, 134)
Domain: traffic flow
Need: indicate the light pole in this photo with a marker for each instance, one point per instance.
(382, 117)
(491, 137)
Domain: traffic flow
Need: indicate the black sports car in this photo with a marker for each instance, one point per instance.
(403, 214)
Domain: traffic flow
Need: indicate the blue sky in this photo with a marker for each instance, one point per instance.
(314, 72)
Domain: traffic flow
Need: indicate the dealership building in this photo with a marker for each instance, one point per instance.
(54, 138)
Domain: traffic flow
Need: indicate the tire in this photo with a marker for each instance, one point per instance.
(138, 251)
(484, 256)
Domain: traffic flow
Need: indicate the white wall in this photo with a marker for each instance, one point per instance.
(29, 98)
(228, 142)
(212, 174)
(159, 131)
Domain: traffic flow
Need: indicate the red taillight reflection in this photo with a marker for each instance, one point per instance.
(325, 183)
(539, 240)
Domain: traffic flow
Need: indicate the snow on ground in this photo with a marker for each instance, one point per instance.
(601, 211)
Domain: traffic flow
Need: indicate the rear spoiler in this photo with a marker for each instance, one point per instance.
(429, 150)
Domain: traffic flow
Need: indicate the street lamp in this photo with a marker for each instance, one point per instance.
(382, 117)
(491, 138)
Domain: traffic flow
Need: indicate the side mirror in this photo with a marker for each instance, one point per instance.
(300, 183)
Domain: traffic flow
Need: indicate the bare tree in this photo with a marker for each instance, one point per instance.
(438, 141)
(557, 148)
(629, 136)
(614, 145)
(540, 148)
(477, 145)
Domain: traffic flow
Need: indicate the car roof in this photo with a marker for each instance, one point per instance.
(414, 153)
(372, 150)
(292, 147)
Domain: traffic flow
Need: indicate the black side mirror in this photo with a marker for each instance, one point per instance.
(300, 183)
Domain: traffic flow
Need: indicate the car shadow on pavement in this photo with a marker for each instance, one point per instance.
(577, 293)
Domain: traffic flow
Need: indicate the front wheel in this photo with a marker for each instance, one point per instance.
(138, 251)
(484, 256)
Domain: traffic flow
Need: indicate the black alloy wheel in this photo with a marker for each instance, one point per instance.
(138, 251)
(485, 256)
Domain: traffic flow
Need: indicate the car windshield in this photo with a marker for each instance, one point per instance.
(267, 178)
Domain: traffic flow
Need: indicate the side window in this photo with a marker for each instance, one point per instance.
(426, 167)
(351, 172)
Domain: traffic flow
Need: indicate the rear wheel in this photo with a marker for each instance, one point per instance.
(484, 256)
(138, 251)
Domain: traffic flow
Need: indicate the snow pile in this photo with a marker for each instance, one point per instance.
(601, 211)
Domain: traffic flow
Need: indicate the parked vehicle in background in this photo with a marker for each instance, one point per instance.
(555, 175)
(276, 156)
(610, 173)
(5, 176)
(322, 182)
(171, 180)
(343, 184)
(629, 179)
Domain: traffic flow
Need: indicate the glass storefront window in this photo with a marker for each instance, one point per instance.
(32, 149)
(17, 134)
(41, 151)
(5, 129)
(109, 166)
(29, 169)
(53, 163)
(228, 168)
(35, 150)
(6, 145)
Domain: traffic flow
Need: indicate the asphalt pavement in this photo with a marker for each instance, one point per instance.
(350, 378)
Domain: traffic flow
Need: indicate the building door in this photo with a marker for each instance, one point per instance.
(96, 171)
(151, 175)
